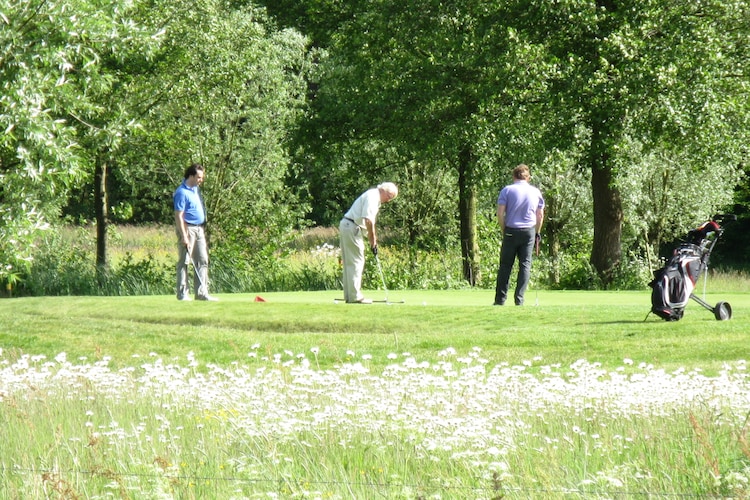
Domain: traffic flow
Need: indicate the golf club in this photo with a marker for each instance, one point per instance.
(537, 241)
(382, 280)
(382, 277)
(196, 271)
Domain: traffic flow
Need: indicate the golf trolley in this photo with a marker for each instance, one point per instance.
(674, 283)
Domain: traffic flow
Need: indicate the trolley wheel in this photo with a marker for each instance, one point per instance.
(723, 311)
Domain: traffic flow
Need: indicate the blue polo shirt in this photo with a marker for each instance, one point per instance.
(188, 200)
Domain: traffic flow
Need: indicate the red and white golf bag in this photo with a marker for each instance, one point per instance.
(673, 283)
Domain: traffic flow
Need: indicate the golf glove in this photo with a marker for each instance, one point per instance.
(538, 238)
(374, 249)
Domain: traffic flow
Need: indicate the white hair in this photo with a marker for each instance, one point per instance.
(389, 188)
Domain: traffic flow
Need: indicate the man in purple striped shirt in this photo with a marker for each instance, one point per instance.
(520, 212)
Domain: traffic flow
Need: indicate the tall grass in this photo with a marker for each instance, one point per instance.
(726, 280)
(142, 260)
(453, 427)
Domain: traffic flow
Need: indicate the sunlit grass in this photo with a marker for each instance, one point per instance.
(140, 242)
(456, 427)
(576, 395)
(559, 326)
(724, 281)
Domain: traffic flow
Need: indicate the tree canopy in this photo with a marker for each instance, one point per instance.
(57, 61)
(633, 115)
(629, 90)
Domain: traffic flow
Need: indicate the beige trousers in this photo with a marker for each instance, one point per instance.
(352, 245)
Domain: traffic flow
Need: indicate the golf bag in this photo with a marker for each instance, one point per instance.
(673, 284)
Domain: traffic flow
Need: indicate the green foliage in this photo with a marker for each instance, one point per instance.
(138, 277)
(54, 71)
(667, 194)
(568, 271)
(308, 269)
(145, 260)
(613, 89)
(645, 82)
(652, 95)
(61, 270)
(225, 91)
(66, 267)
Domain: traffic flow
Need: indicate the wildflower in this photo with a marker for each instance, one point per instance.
(450, 351)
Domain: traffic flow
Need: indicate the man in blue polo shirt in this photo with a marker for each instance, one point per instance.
(190, 219)
(520, 212)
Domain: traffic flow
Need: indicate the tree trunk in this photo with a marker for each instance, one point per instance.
(467, 208)
(606, 251)
(100, 207)
(553, 225)
(605, 120)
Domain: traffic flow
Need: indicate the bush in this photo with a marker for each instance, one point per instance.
(59, 274)
(142, 277)
(65, 265)
(314, 269)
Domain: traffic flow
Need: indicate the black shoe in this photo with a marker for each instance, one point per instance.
(499, 304)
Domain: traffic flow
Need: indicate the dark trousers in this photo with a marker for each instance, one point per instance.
(516, 243)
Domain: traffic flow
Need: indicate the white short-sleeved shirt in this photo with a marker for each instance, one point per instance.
(365, 207)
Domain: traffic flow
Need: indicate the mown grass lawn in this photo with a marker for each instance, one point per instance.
(555, 326)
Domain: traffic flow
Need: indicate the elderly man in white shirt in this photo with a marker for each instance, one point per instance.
(358, 219)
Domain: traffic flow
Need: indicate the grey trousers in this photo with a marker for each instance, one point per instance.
(517, 243)
(198, 257)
